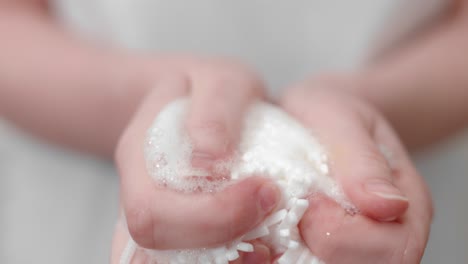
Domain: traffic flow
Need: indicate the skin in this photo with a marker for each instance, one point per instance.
(395, 196)
(387, 229)
(111, 94)
(420, 87)
(153, 210)
(100, 89)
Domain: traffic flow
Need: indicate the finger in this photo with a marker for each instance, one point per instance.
(365, 174)
(356, 161)
(406, 178)
(337, 237)
(123, 250)
(169, 220)
(218, 102)
(260, 255)
(121, 242)
(328, 229)
(163, 219)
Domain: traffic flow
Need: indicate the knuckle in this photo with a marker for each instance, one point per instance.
(243, 81)
(178, 80)
(230, 73)
(232, 223)
(376, 164)
(212, 128)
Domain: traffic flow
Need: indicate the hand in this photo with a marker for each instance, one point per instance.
(159, 218)
(395, 208)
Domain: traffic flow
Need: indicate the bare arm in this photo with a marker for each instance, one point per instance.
(78, 94)
(61, 87)
(422, 88)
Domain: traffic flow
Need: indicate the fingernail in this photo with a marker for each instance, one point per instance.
(385, 190)
(269, 196)
(390, 219)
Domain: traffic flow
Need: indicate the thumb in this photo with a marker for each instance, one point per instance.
(348, 129)
(362, 168)
(367, 179)
(216, 113)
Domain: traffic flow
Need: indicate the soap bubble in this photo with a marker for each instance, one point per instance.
(272, 144)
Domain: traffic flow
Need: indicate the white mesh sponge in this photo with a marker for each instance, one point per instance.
(273, 145)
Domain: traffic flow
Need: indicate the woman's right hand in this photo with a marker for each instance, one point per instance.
(158, 218)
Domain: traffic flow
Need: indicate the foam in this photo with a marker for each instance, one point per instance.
(272, 144)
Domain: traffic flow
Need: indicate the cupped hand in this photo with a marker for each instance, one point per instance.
(158, 218)
(366, 158)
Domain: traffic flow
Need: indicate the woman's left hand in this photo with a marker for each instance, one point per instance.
(375, 173)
